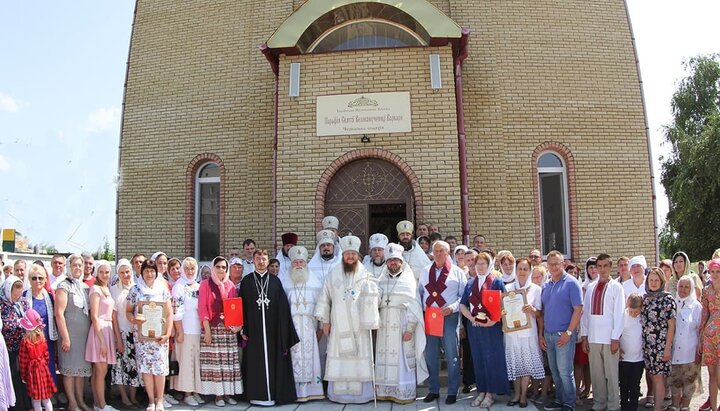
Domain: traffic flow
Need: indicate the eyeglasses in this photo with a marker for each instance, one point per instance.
(37, 278)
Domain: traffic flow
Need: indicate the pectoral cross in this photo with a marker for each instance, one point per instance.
(262, 300)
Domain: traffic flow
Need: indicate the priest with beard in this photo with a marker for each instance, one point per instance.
(289, 240)
(325, 258)
(400, 358)
(413, 255)
(302, 291)
(375, 261)
(333, 224)
(348, 310)
(269, 333)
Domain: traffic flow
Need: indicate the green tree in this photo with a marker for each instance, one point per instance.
(691, 173)
(105, 252)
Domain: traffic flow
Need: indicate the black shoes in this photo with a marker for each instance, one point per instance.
(466, 389)
(431, 397)
(451, 399)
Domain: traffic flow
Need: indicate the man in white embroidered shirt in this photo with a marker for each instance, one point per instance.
(442, 285)
(601, 327)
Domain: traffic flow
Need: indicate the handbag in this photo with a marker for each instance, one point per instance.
(174, 367)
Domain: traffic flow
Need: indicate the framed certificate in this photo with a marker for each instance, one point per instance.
(154, 315)
(513, 317)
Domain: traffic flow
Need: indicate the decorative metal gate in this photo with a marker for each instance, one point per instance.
(364, 184)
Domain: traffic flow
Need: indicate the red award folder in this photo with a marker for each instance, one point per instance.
(233, 311)
(434, 321)
(491, 300)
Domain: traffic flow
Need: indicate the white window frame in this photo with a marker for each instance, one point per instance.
(198, 181)
(566, 203)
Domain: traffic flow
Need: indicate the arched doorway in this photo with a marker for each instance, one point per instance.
(369, 196)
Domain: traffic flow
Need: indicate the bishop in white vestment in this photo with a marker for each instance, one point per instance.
(413, 255)
(400, 353)
(325, 258)
(302, 291)
(374, 262)
(348, 310)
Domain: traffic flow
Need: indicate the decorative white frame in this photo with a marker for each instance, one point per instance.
(566, 203)
(198, 181)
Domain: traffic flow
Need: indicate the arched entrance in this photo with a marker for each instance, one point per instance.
(369, 196)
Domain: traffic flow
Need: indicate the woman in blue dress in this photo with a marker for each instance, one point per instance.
(40, 300)
(485, 336)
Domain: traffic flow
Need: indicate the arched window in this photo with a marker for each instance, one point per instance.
(207, 212)
(365, 34)
(554, 214)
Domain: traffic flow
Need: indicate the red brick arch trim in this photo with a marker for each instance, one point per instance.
(567, 156)
(190, 174)
(359, 154)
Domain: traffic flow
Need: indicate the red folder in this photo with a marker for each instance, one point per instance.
(491, 300)
(434, 321)
(233, 311)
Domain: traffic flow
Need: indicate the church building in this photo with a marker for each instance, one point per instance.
(520, 120)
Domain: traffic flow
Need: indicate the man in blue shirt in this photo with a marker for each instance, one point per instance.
(562, 307)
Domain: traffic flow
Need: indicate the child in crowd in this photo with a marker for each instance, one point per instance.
(34, 357)
(632, 364)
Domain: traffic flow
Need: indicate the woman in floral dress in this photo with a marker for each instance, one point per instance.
(152, 355)
(12, 310)
(124, 373)
(710, 329)
(658, 322)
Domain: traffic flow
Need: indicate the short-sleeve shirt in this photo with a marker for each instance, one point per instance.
(559, 300)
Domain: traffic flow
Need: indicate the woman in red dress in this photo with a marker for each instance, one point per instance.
(34, 357)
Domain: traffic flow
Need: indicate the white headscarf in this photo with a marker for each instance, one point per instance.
(690, 299)
(78, 287)
(6, 294)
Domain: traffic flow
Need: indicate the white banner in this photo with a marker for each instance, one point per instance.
(369, 113)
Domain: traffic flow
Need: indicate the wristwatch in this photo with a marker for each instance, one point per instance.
(569, 333)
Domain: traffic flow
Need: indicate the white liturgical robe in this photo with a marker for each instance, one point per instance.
(349, 303)
(373, 269)
(321, 267)
(305, 355)
(399, 365)
(416, 258)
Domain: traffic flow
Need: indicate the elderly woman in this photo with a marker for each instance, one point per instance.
(124, 373)
(710, 329)
(522, 348)
(658, 322)
(485, 336)
(152, 354)
(681, 268)
(187, 332)
(685, 355)
(219, 360)
(12, 310)
(73, 322)
(40, 300)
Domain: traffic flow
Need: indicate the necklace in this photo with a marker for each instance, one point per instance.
(299, 295)
(394, 283)
(261, 286)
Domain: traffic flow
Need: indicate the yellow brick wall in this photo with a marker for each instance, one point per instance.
(537, 71)
(430, 149)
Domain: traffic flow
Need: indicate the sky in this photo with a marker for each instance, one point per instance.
(62, 69)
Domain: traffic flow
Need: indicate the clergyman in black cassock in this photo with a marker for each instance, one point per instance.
(268, 326)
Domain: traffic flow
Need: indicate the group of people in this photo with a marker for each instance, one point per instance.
(355, 329)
